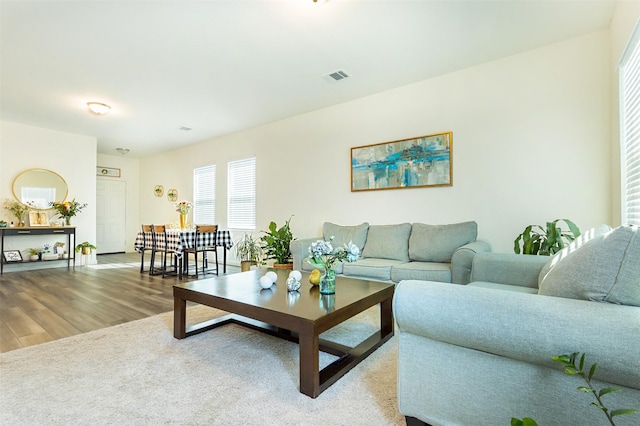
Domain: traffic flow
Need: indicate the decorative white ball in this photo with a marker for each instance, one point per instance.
(272, 275)
(296, 274)
(265, 282)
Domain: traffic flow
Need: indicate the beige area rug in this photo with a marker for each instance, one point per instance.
(138, 374)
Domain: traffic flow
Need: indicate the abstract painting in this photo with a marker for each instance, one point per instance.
(408, 163)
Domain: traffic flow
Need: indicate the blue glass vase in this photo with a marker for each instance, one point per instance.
(328, 282)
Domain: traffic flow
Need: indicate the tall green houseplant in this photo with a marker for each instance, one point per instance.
(275, 243)
(545, 241)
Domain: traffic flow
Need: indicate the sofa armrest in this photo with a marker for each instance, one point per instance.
(300, 251)
(508, 268)
(462, 259)
(525, 327)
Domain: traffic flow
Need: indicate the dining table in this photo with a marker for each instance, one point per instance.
(178, 240)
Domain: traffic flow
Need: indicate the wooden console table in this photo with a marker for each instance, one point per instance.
(69, 231)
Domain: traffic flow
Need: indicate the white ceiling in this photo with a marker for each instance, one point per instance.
(222, 66)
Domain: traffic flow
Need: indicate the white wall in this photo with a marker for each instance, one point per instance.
(130, 174)
(531, 143)
(71, 156)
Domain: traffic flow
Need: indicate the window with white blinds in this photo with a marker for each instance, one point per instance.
(204, 195)
(630, 130)
(241, 192)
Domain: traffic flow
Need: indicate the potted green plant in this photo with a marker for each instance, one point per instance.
(34, 254)
(3, 224)
(17, 209)
(545, 241)
(275, 244)
(85, 247)
(248, 252)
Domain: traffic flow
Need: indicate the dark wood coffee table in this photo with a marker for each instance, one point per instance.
(298, 318)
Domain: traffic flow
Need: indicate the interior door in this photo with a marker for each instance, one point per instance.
(111, 216)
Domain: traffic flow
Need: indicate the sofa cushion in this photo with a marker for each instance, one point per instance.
(580, 240)
(604, 269)
(388, 242)
(376, 269)
(344, 234)
(426, 271)
(436, 243)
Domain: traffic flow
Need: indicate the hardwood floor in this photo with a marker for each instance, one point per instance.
(43, 305)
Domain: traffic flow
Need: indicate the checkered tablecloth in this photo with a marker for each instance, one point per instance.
(179, 240)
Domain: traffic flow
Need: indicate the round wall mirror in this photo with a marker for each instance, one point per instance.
(39, 188)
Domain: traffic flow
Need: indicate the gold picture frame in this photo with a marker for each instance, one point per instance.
(418, 162)
(172, 194)
(38, 218)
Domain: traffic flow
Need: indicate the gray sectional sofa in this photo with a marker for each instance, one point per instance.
(481, 353)
(404, 251)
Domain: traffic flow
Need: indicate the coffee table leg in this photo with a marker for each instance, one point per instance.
(309, 365)
(179, 318)
(386, 317)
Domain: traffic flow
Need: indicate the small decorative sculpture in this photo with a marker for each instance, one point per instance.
(293, 284)
(296, 274)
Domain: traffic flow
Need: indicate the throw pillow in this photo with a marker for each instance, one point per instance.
(436, 243)
(388, 242)
(604, 269)
(343, 234)
(583, 238)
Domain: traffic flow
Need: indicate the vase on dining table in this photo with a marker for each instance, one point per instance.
(67, 220)
(183, 221)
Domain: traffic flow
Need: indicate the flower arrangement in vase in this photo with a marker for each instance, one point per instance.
(17, 209)
(67, 209)
(322, 255)
(183, 208)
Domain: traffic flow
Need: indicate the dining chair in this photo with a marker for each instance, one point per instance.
(159, 234)
(148, 245)
(203, 244)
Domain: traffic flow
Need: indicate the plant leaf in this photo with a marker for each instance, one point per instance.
(585, 389)
(608, 390)
(524, 422)
(562, 358)
(622, 411)
(573, 228)
(582, 361)
(516, 244)
(592, 370)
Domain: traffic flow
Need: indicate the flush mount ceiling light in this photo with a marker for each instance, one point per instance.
(98, 108)
(122, 151)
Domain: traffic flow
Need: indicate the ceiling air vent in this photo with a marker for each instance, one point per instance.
(185, 128)
(336, 76)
